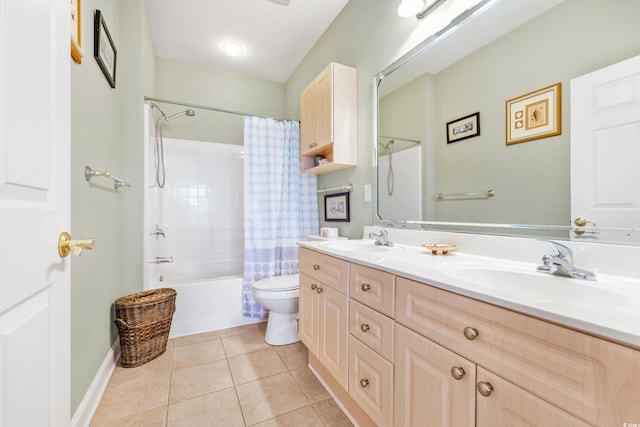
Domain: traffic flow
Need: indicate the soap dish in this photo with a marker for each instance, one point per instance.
(445, 248)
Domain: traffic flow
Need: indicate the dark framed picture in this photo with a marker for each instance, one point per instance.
(336, 207)
(104, 50)
(463, 128)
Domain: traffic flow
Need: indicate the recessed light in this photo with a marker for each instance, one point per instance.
(232, 48)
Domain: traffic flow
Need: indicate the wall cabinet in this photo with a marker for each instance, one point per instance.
(439, 358)
(328, 116)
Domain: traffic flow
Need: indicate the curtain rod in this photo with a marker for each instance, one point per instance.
(204, 107)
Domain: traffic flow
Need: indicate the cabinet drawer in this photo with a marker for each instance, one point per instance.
(565, 367)
(372, 328)
(332, 272)
(372, 287)
(371, 382)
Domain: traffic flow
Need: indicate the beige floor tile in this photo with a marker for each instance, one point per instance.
(215, 409)
(253, 366)
(294, 356)
(195, 338)
(245, 343)
(310, 385)
(303, 417)
(269, 397)
(330, 414)
(197, 354)
(133, 396)
(198, 380)
(158, 366)
(153, 418)
(244, 329)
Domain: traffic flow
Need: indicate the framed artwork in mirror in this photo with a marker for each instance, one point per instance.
(534, 115)
(463, 128)
(104, 50)
(336, 207)
(76, 31)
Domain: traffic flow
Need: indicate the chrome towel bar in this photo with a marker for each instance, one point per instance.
(465, 196)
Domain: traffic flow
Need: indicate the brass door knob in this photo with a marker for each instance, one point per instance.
(581, 222)
(66, 244)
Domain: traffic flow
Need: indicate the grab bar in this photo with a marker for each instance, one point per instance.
(161, 260)
(465, 196)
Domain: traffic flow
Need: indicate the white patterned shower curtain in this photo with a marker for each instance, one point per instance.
(280, 204)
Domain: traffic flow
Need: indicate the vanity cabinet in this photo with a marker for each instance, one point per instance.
(328, 116)
(323, 312)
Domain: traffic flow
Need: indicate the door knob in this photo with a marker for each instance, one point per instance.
(581, 222)
(66, 244)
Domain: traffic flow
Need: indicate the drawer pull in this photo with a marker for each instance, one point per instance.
(319, 290)
(364, 327)
(314, 287)
(365, 287)
(485, 388)
(364, 383)
(316, 267)
(470, 333)
(457, 372)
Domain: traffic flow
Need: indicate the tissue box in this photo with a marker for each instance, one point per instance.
(328, 232)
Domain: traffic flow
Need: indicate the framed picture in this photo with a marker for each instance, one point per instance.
(463, 128)
(534, 115)
(336, 207)
(104, 50)
(76, 31)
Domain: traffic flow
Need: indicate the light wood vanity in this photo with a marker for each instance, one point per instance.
(398, 352)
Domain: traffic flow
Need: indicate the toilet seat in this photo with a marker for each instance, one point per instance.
(277, 283)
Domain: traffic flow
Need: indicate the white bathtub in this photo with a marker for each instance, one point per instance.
(205, 305)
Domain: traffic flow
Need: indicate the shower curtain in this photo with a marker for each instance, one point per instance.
(280, 204)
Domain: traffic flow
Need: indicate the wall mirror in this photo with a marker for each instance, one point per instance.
(442, 157)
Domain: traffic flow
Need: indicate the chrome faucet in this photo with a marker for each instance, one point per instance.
(561, 263)
(382, 238)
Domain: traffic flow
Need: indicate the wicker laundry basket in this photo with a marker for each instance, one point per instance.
(144, 321)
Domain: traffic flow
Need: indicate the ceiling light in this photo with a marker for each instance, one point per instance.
(410, 8)
(232, 48)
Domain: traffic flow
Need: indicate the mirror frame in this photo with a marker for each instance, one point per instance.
(628, 236)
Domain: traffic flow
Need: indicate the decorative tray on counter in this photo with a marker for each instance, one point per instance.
(444, 248)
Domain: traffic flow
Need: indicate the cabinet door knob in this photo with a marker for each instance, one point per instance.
(485, 388)
(316, 267)
(365, 287)
(319, 290)
(457, 372)
(314, 287)
(364, 383)
(470, 333)
(364, 327)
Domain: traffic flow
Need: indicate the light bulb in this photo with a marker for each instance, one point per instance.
(410, 8)
(232, 48)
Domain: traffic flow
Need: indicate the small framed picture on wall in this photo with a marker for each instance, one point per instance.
(336, 207)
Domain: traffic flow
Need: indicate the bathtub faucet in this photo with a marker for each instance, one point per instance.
(157, 232)
(161, 260)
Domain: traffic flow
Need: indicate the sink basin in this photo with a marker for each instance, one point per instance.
(540, 287)
(363, 246)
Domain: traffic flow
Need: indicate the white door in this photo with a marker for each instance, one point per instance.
(605, 146)
(34, 209)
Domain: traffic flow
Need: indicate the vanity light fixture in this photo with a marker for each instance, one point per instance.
(418, 8)
(232, 48)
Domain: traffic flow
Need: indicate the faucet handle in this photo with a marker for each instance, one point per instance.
(561, 250)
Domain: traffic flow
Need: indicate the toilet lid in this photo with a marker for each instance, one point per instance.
(278, 283)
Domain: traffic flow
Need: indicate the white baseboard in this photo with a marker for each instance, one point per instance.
(91, 400)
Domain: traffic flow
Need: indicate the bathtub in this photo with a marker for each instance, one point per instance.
(205, 305)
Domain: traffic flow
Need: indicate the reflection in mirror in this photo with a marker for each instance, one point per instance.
(511, 49)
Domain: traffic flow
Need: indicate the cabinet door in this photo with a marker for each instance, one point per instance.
(324, 106)
(426, 392)
(307, 119)
(308, 313)
(508, 405)
(333, 329)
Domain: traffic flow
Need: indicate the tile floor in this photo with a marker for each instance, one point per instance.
(224, 378)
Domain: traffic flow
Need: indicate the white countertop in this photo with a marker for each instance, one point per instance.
(608, 308)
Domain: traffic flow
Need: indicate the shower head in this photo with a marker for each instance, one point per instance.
(189, 113)
(388, 145)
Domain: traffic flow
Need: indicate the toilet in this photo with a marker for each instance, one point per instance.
(279, 295)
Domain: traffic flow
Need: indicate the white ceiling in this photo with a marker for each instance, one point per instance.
(275, 38)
